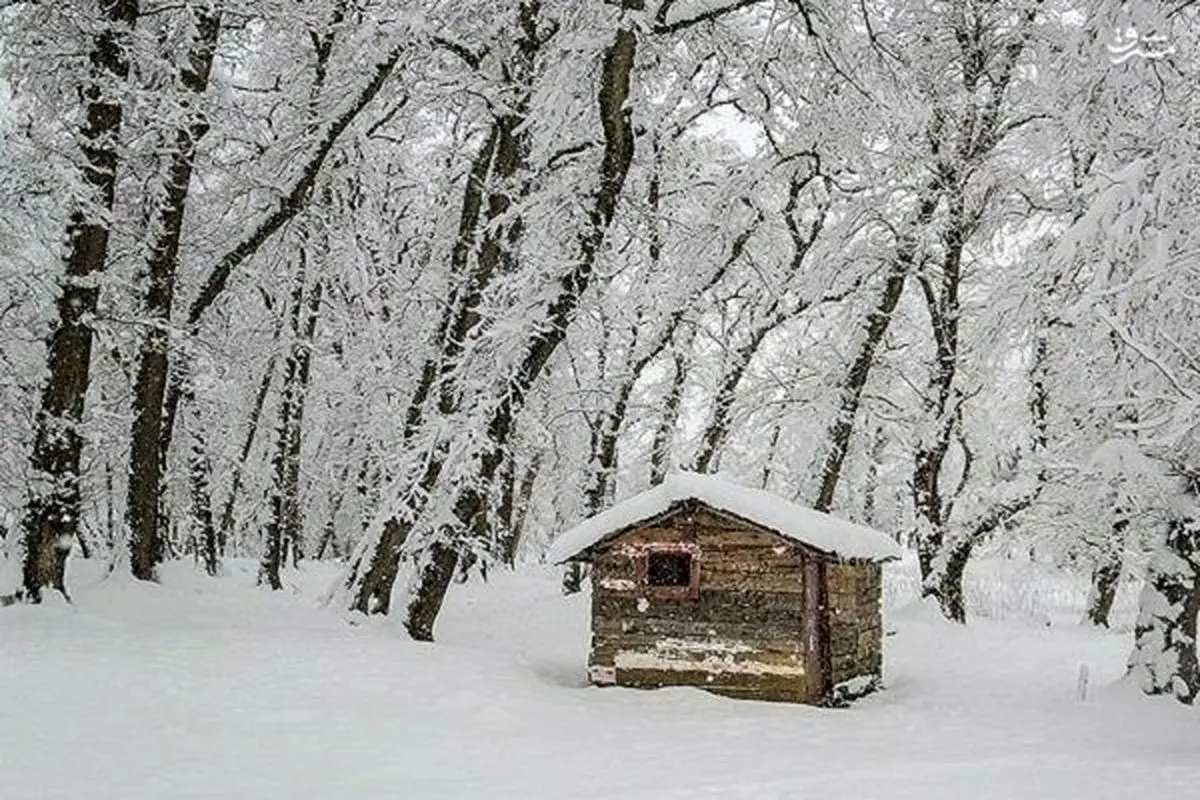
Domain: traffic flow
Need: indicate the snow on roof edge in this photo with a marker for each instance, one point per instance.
(793, 521)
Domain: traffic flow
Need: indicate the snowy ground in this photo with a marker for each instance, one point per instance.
(212, 689)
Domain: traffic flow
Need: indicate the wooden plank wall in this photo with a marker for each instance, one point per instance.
(856, 621)
(741, 633)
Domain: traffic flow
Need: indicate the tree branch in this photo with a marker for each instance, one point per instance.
(468, 56)
(982, 527)
(567, 152)
(1147, 354)
(289, 205)
(662, 26)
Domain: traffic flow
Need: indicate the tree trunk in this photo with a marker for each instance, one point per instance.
(372, 574)
(286, 207)
(470, 516)
(948, 565)
(146, 458)
(604, 455)
(283, 530)
(382, 564)
(225, 528)
(1106, 577)
(52, 518)
(453, 317)
(610, 427)
(950, 583)
(976, 133)
(327, 545)
(328, 541)
(870, 504)
(291, 526)
(372, 589)
(440, 561)
(605, 431)
(1164, 660)
(851, 389)
(716, 433)
(664, 433)
(492, 183)
(930, 504)
(517, 509)
(768, 463)
(200, 482)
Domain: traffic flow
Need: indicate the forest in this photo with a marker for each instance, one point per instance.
(409, 287)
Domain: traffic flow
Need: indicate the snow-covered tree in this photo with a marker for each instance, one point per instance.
(1138, 270)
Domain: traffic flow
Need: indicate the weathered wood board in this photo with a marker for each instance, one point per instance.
(745, 626)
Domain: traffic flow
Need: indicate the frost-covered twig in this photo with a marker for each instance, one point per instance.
(1147, 354)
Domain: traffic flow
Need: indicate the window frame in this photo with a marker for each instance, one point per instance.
(690, 591)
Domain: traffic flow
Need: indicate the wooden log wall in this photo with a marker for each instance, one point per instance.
(856, 621)
(740, 634)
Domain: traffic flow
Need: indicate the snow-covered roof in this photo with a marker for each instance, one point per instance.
(816, 529)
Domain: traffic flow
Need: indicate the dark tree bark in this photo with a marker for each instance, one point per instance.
(470, 499)
(946, 580)
(457, 312)
(604, 458)
(225, 526)
(494, 184)
(52, 518)
(871, 480)
(283, 530)
(664, 433)
(441, 558)
(605, 434)
(958, 149)
(372, 576)
(941, 404)
(768, 463)
(1106, 578)
(200, 484)
(372, 587)
(851, 387)
(959, 141)
(470, 507)
(515, 508)
(573, 575)
(949, 588)
(717, 431)
(146, 459)
(286, 207)
(1106, 575)
(327, 545)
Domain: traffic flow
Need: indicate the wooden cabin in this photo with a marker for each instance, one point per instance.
(701, 582)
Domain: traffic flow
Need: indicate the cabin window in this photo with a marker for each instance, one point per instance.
(669, 569)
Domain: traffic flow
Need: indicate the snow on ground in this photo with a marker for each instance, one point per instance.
(214, 689)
